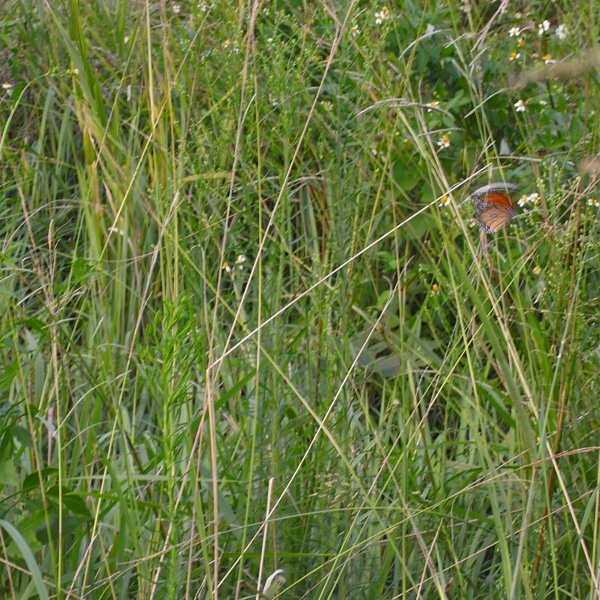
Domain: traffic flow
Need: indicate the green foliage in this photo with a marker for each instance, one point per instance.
(250, 341)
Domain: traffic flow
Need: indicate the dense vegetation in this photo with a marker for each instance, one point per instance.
(248, 324)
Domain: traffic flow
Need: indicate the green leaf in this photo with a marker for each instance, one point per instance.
(22, 436)
(8, 473)
(8, 375)
(234, 390)
(407, 179)
(32, 481)
(69, 525)
(36, 574)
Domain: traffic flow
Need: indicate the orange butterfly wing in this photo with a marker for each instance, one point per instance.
(492, 220)
(498, 200)
(494, 211)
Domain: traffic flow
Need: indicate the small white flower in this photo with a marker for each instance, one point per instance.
(444, 201)
(380, 17)
(176, 8)
(514, 56)
(465, 6)
(241, 259)
(432, 105)
(543, 27)
(520, 106)
(536, 270)
(561, 32)
(534, 198)
(548, 59)
(327, 105)
(354, 31)
(227, 267)
(593, 202)
(444, 142)
(523, 200)
(514, 31)
(472, 221)
(435, 289)
(7, 87)
(543, 102)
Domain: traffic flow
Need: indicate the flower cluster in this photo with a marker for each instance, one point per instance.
(231, 46)
(376, 152)
(444, 142)
(239, 263)
(542, 29)
(529, 199)
(444, 201)
(519, 106)
(560, 32)
(382, 16)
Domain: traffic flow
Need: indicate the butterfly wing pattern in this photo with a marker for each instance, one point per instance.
(493, 206)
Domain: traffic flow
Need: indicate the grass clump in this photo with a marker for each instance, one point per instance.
(247, 324)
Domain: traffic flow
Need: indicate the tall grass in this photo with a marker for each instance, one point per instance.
(246, 325)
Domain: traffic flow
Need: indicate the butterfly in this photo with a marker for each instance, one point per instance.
(493, 206)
